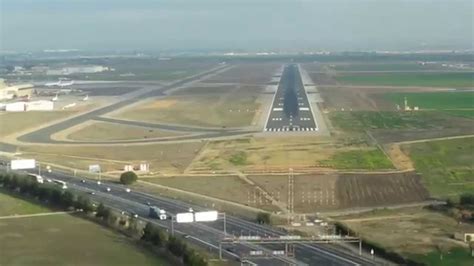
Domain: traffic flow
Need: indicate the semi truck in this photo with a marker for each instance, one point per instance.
(157, 213)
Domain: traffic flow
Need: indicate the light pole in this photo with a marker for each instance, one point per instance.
(225, 225)
(172, 225)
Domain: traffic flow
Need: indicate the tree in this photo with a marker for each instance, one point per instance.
(56, 196)
(153, 234)
(466, 199)
(148, 232)
(102, 212)
(263, 218)
(13, 184)
(176, 246)
(84, 204)
(128, 178)
(67, 199)
(44, 193)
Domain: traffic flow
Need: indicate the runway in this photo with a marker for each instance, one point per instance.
(291, 110)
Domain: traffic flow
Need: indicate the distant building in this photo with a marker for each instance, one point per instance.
(41, 105)
(13, 91)
(15, 107)
(77, 70)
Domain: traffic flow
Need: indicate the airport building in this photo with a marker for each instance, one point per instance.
(8, 92)
(40, 105)
(77, 70)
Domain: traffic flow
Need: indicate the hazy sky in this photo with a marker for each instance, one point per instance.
(236, 24)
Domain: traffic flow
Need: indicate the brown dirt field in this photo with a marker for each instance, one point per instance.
(366, 190)
(454, 126)
(12, 123)
(103, 131)
(324, 192)
(162, 103)
(230, 188)
(235, 107)
(313, 193)
(246, 74)
(163, 158)
(208, 88)
(400, 160)
(265, 154)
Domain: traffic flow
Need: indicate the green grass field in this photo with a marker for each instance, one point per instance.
(447, 166)
(11, 205)
(359, 159)
(362, 120)
(455, 256)
(452, 80)
(62, 239)
(385, 66)
(454, 103)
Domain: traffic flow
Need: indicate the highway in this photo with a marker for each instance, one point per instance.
(291, 110)
(209, 234)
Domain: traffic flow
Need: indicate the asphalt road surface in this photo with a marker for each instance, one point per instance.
(290, 109)
(43, 135)
(209, 234)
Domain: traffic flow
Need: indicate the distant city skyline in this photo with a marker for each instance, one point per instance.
(260, 25)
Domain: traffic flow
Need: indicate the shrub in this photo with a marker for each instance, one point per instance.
(128, 178)
(263, 218)
(102, 212)
(466, 199)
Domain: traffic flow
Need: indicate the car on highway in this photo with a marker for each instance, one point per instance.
(107, 189)
(83, 181)
(127, 190)
(98, 183)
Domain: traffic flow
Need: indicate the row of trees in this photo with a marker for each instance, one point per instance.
(65, 199)
(49, 193)
(158, 237)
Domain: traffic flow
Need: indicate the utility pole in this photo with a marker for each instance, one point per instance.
(39, 169)
(172, 225)
(220, 250)
(225, 229)
(290, 194)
